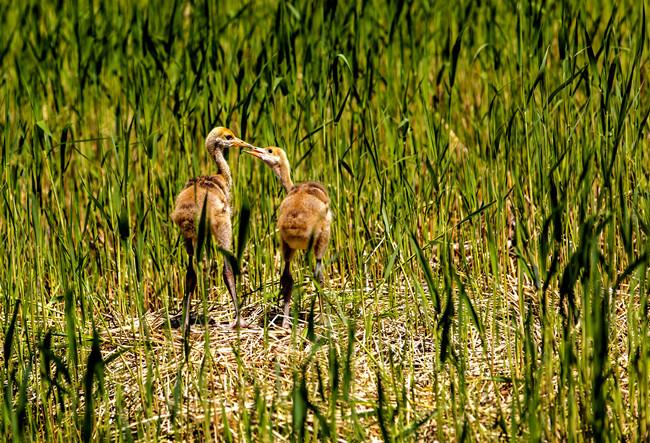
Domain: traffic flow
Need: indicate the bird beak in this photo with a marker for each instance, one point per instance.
(256, 152)
(238, 143)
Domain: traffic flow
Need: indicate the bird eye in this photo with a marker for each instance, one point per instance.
(270, 151)
(229, 137)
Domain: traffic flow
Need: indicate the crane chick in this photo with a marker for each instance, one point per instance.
(214, 191)
(304, 219)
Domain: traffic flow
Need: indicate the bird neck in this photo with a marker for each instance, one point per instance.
(222, 166)
(284, 172)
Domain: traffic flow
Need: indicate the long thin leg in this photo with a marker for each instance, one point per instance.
(318, 275)
(190, 286)
(319, 251)
(318, 271)
(286, 287)
(286, 284)
(320, 245)
(222, 232)
(229, 280)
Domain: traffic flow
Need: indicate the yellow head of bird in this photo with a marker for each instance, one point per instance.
(221, 138)
(274, 157)
(271, 155)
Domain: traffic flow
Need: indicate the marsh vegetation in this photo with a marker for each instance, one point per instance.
(488, 170)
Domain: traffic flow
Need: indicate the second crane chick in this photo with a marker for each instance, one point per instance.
(213, 190)
(304, 219)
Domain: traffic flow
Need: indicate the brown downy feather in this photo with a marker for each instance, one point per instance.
(304, 220)
(213, 191)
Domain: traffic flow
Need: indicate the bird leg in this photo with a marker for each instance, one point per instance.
(319, 251)
(190, 280)
(190, 286)
(286, 287)
(318, 271)
(318, 275)
(229, 280)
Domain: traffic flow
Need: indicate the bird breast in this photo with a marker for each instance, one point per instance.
(189, 203)
(303, 214)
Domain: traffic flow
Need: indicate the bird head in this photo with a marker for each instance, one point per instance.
(221, 138)
(273, 156)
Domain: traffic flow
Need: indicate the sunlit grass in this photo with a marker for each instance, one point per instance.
(488, 171)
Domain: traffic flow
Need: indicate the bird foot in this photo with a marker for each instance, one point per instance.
(240, 324)
(318, 277)
(286, 323)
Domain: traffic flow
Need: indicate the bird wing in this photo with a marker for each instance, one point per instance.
(315, 189)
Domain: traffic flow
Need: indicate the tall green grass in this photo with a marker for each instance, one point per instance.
(489, 285)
